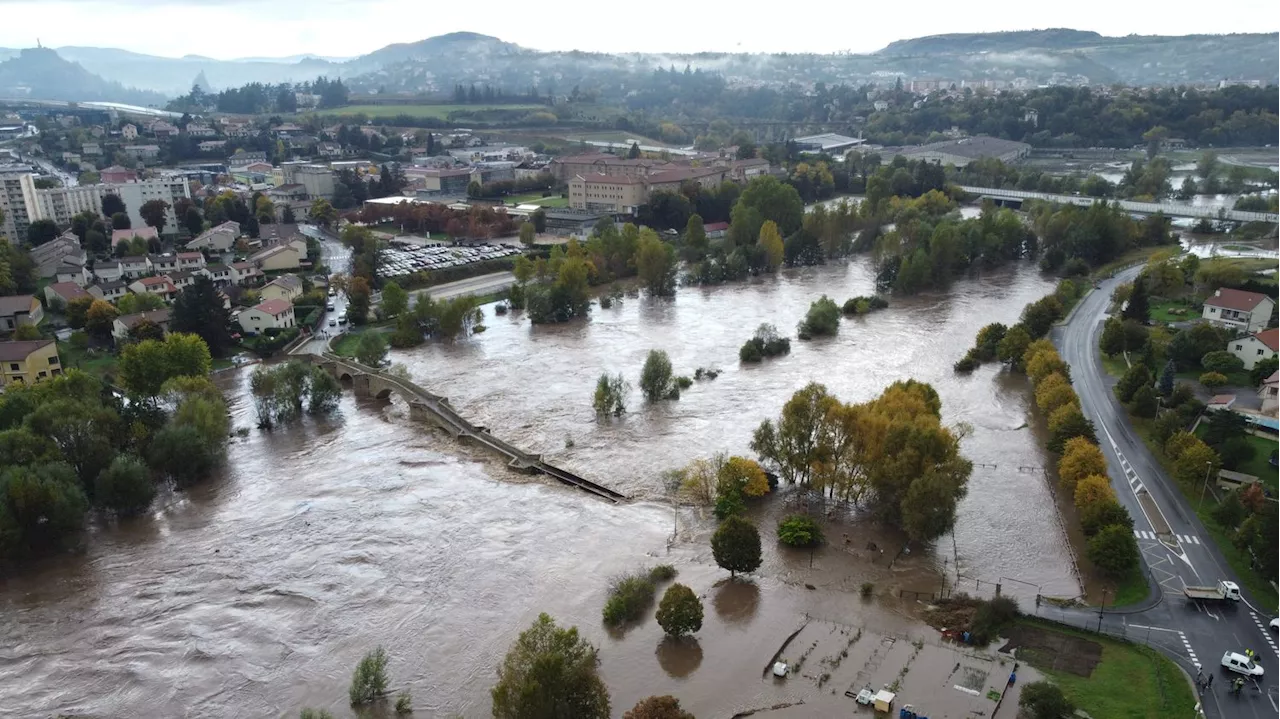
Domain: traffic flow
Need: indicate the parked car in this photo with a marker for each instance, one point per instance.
(333, 323)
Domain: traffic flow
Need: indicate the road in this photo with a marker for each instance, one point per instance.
(336, 257)
(1175, 546)
(481, 285)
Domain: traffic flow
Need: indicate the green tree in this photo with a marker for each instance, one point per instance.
(322, 213)
(112, 205)
(1112, 341)
(132, 303)
(773, 200)
(793, 442)
(358, 298)
(200, 310)
(369, 680)
(634, 152)
(550, 673)
(736, 546)
(371, 348)
(663, 707)
(610, 398)
(1095, 517)
(121, 221)
(1207, 165)
(1013, 346)
(26, 332)
(40, 507)
(1042, 700)
(695, 238)
(146, 330)
(76, 311)
(155, 213)
(145, 366)
(85, 432)
(799, 530)
(125, 487)
(528, 233)
(1138, 309)
(1222, 362)
(179, 453)
(41, 231)
(1113, 550)
(680, 611)
(1213, 380)
(193, 221)
(657, 380)
(1167, 376)
(1144, 402)
(822, 319)
(656, 264)
(1134, 378)
(394, 300)
(1066, 422)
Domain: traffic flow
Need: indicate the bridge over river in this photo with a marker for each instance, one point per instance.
(370, 382)
(1170, 209)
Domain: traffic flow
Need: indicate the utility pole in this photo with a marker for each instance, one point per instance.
(1205, 487)
(1101, 609)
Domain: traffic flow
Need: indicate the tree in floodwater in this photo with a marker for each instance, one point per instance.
(550, 672)
(657, 380)
(736, 546)
(680, 611)
(369, 681)
(281, 394)
(610, 399)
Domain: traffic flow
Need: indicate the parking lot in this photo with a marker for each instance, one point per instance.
(401, 260)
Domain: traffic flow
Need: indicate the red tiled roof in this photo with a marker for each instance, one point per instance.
(274, 307)
(716, 226)
(1238, 300)
(1270, 338)
(146, 233)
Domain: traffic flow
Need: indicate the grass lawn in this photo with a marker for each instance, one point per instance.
(1258, 466)
(345, 346)
(1130, 590)
(1115, 366)
(1165, 311)
(1235, 379)
(1129, 682)
(439, 112)
(99, 363)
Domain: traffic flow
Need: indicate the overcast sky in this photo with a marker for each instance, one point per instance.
(228, 29)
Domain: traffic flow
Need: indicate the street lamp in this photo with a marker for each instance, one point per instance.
(1205, 487)
(1101, 609)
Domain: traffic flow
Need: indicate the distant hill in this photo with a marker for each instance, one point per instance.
(453, 47)
(172, 76)
(40, 73)
(963, 43)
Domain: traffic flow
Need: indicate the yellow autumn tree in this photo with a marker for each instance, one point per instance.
(745, 474)
(1093, 490)
(771, 241)
(1042, 362)
(1053, 392)
(1080, 458)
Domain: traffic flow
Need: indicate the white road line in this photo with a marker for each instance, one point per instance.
(1195, 539)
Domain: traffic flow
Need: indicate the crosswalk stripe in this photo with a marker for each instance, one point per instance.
(1195, 539)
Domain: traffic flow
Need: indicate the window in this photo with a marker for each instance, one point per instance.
(13, 367)
(1259, 353)
(53, 360)
(1239, 346)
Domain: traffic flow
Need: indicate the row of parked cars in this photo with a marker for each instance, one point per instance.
(407, 259)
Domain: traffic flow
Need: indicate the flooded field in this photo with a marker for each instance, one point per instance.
(256, 593)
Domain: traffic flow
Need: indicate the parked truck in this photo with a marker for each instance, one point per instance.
(1223, 591)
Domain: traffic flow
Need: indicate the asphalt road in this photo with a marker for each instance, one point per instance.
(482, 285)
(1175, 546)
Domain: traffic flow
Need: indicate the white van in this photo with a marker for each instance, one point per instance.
(1240, 664)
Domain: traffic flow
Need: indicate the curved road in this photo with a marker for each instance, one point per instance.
(1175, 546)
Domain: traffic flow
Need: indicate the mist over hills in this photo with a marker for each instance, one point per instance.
(434, 65)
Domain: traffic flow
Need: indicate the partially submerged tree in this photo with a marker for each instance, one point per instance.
(550, 672)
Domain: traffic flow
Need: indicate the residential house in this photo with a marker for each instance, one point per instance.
(162, 129)
(1256, 347)
(116, 175)
(28, 361)
(217, 239)
(109, 291)
(329, 149)
(182, 279)
(284, 287)
(91, 149)
(287, 193)
(19, 310)
(71, 157)
(161, 264)
(220, 274)
(190, 260)
(50, 256)
(142, 152)
(1239, 310)
(134, 267)
(272, 314)
(1268, 391)
(245, 274)
(716, 230)
(108, 270)
(60, 293)
(129, 132)
(77, 274)
(120, 328)
(211, 145)
(154, 286)
(198, 130)
(146, 232)
(284, 256)
(241, 159)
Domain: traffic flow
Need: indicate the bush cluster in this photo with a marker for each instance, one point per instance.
(764, 343)
(862, 305)
(630, 594)
(799, 530)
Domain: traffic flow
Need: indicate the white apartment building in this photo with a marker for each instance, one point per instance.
(13, 205)
(60, 204)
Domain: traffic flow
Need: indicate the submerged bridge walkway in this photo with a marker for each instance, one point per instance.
(370, 382)
(1170, 209)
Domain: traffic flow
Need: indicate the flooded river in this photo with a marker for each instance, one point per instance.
(256, 593)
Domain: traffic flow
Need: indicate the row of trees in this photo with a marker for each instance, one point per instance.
(996, 342)
(258, 98)
(892, 454)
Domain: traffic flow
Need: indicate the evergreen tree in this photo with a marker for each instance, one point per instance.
(1167, 377)
(199, 310)
(1139, 308)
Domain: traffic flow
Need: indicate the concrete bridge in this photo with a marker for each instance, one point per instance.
(424, 405)
(1170, 209)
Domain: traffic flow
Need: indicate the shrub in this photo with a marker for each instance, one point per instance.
(1213, 380)
(1134, 378)
(1144, 403)
(986, 345)
(1080, 458)
(309, 713)
(991, 617)
(764, 343)
(683, 382)
(966, 364)
(822, 319)
(629, 594)
(736, 546)
(680, 611)
(369, 681)
(1222, 362)
(610, 398)
(662, 573)
(656, 378)
(867, 590)
(799, 530)
(664, 707)
(1042, 700)
(125, 487)
(404, 703)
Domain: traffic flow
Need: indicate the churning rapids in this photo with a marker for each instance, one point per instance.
(256, 593)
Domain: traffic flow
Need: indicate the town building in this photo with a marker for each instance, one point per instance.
(18, 310)
(76, 274)
(122, 324)
(284, 287)
(142, 152)
(52, 255)
(216, 239)
(28, 361)
(60, 293)
(1238, 310)
(146, 232)
(108, 270)
(219, 274)
(116, 174)
(278, 257)
(129, 132)
(272, 314)
(965, 150)
(13, 205)
(110, 290)
(160, 286)
(60, 204)
(828, 142)
(1256, 347)
(134, 266)
(1269, 391)
(245, 274)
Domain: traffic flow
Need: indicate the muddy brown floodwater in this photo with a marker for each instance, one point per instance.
(256, 593)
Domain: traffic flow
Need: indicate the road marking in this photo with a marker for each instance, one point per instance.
(1139, 489)
(1190, 652)
(1266, 631)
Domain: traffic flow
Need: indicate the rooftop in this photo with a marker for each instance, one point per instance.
(17, 351)
(68, 290)
(1270, 338)
(159, 317)
(274, 307)
(1235, 299)
(14, 304)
